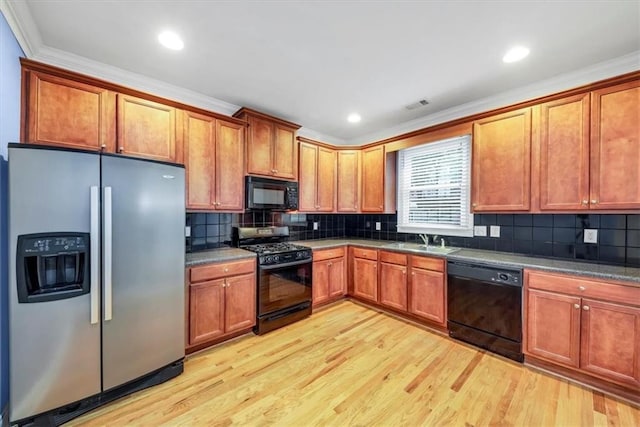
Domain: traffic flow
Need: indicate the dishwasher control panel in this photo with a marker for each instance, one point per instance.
(485, 273)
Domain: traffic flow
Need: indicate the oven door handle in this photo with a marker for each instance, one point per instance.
(286, 264)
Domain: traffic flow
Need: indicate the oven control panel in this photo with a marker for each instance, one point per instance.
(285, 258)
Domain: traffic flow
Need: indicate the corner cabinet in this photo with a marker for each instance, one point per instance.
(272, 149)
(317, 180)
(222, 302)
(501, 162)
(348, 177)
(589, 326)
(214, 161)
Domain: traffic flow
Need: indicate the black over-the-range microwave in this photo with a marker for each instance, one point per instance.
(270, 194)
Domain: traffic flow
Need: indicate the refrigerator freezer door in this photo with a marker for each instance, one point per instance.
(144, 330)
(54, 347)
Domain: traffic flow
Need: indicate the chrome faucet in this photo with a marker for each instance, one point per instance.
(425, 239)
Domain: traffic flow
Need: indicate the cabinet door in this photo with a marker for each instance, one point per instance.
(146, 129)
(260, 147)
(426, 297)
(365, 279)
(373, 179)
(326, 180)
(70, 114)
(206, 311)
(285, 153)
(615, 147)
(564, 154)
(501, 162)
(240, 302)
(308, 178)
(347, 188)
(321, 281)
(337, 277)
(199, 147)
(229, 175)
(393, 286)
(553, 327)
(611, 341)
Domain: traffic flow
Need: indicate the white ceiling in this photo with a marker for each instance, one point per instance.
(314, 62)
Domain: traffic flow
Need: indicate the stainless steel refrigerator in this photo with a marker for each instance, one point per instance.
(96, 279)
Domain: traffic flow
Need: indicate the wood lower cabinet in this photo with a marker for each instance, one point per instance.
(147, 129)
(501, 162)
(317, 181)
(615, 147)
(329, 275)
(67, 113)
(214, 161)
(365, 273)
(393, 280)
(348, 174)
(427, 289)
(589, 326)
(222, 301)
(271, 145)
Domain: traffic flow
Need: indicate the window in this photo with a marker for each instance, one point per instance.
(434, 188)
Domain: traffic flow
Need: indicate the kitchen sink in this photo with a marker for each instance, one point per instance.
(438, 250)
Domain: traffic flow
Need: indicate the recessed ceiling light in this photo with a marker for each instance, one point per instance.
(354, 118)
(170, 40)
(515, 54)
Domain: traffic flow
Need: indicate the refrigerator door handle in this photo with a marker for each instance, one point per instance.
(108, 246)
(94, 241)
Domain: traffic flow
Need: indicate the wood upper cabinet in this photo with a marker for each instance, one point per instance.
(317, 181)
(147, 129)
(214, 160)
(272, 149)
(348, 173)
(563, 126)
(222, 300)
(373, 162)
(329, 275)
(501, 162)
(393, 285)
(589, 325)
(427, 292)
(67, 113)
(615, 147)
(365, 273)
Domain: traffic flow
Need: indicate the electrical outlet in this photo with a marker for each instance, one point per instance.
(494, 231)
(315, 225)
(479, 230)
(590, 235)
(378, 226)
(187, 231)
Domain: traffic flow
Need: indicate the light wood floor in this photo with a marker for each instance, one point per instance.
(348, 365)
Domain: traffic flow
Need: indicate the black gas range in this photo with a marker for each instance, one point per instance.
(284, 288)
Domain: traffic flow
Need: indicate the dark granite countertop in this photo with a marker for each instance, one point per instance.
(601, 271)
(217, 255)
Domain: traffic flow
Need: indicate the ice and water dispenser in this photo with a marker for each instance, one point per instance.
(52, 266)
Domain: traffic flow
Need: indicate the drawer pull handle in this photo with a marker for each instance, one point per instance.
(576, 305)
(585, 307)
(226, 269)
(582, 288)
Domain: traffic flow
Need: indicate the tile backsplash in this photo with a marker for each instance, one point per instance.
(547, 235)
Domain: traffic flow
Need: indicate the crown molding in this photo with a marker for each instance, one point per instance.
(319, 136)
(22, 25)
(600, 71)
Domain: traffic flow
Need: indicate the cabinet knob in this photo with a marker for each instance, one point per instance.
(474, 205)
(582, 288)
(413, 273)
(585, 307)
(330, 264)
(121, 149)
(576, 305)
(404, 272)
(585, 202)
(594, 201)
(226, 269)
(103, 146)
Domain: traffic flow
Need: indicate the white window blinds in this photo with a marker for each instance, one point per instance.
(434, 188)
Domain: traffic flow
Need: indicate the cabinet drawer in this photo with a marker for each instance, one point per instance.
(321, 255)
(393, 258)
(371, 254)
(583, 287)
(435, 264)
(213, 271)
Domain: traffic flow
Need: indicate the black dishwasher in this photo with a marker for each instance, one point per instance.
(485, 307)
